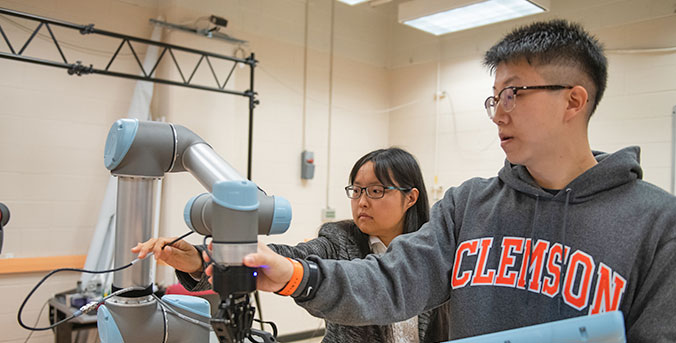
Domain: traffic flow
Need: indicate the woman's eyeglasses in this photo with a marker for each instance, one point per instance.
(373, 192)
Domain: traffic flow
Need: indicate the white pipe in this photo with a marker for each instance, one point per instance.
(673, 150)
(328, 150)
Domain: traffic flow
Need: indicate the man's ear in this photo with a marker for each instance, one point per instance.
(411, 197)
(578, 99)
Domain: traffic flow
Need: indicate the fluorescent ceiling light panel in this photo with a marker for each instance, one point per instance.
(439, 17)
(353, 2)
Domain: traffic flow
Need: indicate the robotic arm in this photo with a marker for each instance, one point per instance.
(234, 212)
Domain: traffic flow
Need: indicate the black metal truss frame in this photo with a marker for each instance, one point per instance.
(78, 68)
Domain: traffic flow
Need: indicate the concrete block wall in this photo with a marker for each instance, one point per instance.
(53, 127)
(636, 108)
(52, 134)
(275, 31)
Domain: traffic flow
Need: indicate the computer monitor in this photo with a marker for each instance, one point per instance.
(600, 328)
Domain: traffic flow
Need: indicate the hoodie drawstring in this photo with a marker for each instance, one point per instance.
(530, 252)
(563, 245)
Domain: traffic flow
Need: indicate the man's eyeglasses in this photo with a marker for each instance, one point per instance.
(373, 192)
(507, 97)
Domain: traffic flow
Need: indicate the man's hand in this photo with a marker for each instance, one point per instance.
(274, 270)
(181, 255)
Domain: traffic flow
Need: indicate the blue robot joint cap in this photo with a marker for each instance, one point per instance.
(236, 195)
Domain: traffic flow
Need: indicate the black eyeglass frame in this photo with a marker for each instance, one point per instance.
(495, 99)
(365, 190)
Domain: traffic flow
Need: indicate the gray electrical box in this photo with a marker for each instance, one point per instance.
(307, 165)
(328, 214)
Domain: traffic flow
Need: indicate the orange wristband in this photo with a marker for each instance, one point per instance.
(296, 278)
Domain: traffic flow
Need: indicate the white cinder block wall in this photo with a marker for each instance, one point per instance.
(53, 127)
(52, 133)
(636, 108)
(275, 30)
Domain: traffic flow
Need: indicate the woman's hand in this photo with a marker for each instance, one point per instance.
(180, 255)
(274, 270)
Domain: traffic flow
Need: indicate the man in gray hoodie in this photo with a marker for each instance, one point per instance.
(562, 231)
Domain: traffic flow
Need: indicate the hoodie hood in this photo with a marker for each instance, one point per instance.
(612, 170)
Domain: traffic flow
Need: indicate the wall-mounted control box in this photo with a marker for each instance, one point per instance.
(328, 214)
(307, 165)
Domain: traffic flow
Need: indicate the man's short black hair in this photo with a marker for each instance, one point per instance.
(555, 42)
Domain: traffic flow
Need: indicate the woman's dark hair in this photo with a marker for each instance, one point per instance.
(395, 166)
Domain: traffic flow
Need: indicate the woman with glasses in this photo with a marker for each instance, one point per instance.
(388, 198)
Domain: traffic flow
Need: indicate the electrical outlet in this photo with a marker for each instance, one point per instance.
(328, 214)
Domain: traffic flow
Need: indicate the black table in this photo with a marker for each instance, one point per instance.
(59, 310)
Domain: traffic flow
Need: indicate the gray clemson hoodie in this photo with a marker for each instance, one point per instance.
(508, 254)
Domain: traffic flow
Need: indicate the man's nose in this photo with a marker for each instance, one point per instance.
(500, 117)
